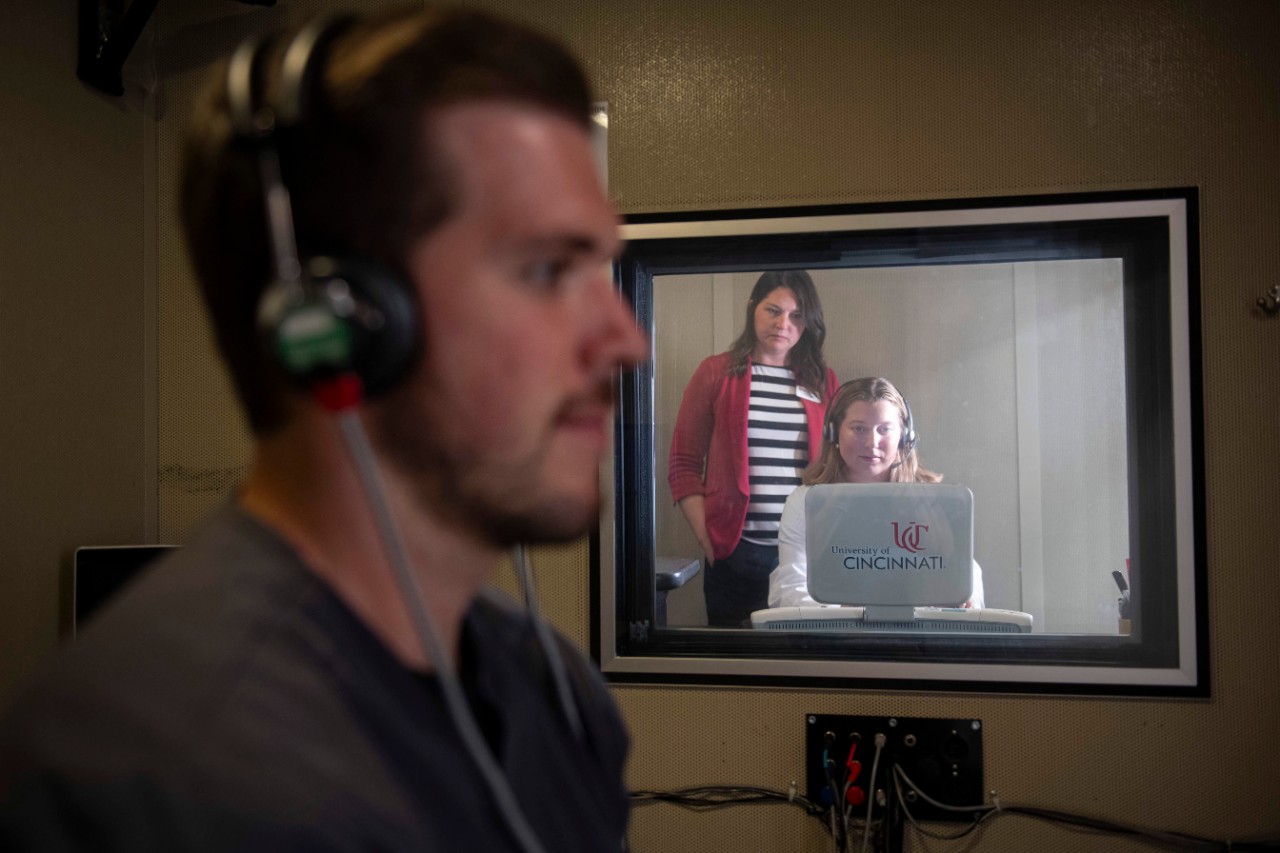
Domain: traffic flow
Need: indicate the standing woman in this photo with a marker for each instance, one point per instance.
(869, 437)
(748, 424)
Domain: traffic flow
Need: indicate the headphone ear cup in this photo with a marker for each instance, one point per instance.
(829, 433)
(383, 315)
(909, 438)
(352, 316)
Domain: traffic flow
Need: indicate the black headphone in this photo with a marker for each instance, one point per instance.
(327, 315)
(831, 429)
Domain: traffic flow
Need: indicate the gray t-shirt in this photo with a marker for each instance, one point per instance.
(229, 701)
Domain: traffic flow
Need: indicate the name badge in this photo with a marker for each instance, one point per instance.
(806, 394)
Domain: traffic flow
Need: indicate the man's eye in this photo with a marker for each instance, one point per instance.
(544, 274)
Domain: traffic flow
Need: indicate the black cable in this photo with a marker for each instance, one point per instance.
(718, 796)
(1176, 839)
(893, 818)
(708, 797)
(839, 828)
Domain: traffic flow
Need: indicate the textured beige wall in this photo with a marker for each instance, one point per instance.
(761, 102)
(72, 394)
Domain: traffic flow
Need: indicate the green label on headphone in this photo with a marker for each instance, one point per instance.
(311, 338)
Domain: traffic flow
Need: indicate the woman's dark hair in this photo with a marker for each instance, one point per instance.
(805, 358)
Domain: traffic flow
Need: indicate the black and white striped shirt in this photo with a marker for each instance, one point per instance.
(777, 449)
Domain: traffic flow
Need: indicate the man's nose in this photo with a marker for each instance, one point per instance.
(618, 342)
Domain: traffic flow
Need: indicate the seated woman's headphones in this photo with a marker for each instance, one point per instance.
(328, 315)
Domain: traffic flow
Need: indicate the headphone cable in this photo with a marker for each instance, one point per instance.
(550, 651)
(365, 463)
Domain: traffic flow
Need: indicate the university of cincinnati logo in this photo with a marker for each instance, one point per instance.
(908, 538)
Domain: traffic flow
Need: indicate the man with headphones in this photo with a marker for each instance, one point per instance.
(402, 243)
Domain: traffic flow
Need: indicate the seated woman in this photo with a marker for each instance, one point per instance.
(868, 437)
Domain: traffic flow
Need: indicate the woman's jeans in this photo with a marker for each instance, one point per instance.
(738, 584)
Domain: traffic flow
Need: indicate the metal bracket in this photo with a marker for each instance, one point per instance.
(108, 31)
(1269, 303)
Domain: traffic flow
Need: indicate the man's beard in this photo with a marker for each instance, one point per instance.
(497, 503)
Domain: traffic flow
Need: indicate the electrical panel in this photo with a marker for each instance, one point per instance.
(943, 758)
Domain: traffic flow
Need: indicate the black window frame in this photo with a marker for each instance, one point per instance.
(1166, 653)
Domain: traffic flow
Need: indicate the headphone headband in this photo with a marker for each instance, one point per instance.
(322, 316)
(303, 56)
(242, 107)
(302, 63)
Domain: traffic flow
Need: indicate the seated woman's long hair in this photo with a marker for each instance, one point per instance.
(829, 467)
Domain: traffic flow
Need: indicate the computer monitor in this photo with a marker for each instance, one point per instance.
(890, 544)
(896, 558)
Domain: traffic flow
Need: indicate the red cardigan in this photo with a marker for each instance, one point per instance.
(711, 429)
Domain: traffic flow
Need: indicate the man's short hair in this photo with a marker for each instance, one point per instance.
(364, 174)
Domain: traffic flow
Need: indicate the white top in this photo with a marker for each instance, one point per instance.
(789, 585)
